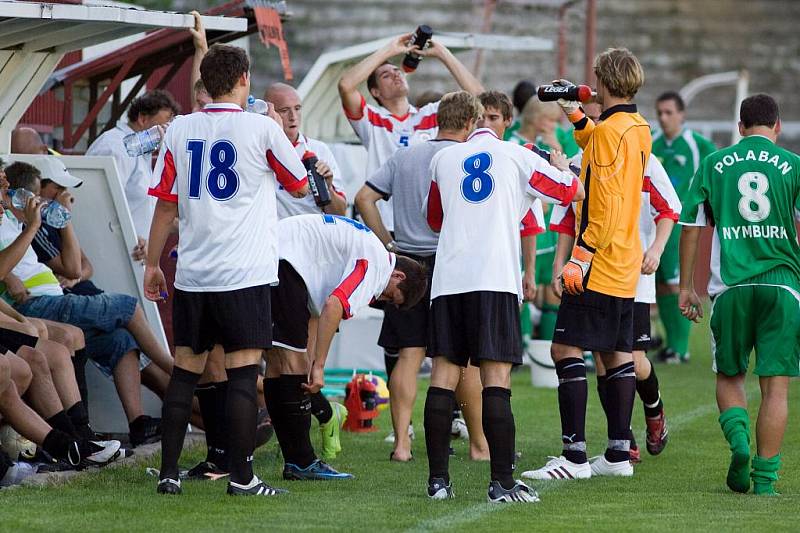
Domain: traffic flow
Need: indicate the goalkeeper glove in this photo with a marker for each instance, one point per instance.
(568, 106)
(574, 272)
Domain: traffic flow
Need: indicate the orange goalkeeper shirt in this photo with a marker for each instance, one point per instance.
(607, 220)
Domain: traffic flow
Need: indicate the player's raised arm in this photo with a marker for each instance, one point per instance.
(465, 79)
(358, 73)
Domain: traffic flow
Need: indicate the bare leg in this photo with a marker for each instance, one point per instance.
(42, 393)
(20, 372)
(21, 417)
(66, 334)
(730, 392)
(468, 395)
(128, 382)
(62, 372)
(403, 393)
(140, 330)
(772, 415)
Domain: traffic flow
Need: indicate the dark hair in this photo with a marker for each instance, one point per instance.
(22, 175)
(416, 282)
(497, 100)
(523, 91)
(151, 103)
(674, 96)
(759, 110)
(221, 68)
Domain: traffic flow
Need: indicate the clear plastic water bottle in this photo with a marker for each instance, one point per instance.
(53, 213)
(143, 142)
(256, 105)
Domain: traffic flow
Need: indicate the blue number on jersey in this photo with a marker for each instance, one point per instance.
(331, 219)
(222, 181)
(403, 140)
(478, 184)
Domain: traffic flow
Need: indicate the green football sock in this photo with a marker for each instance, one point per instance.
(547, 325)
(736, 427)
(676, 327)
(765, 474)
(525, 321)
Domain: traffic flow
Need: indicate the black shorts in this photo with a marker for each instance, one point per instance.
(14, 340)
(596, 322)
(476, 326)
(641, 326)
(290, 314)
(238, 319)
(408, 328)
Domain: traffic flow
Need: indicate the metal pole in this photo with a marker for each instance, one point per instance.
(742, 85)
(591, 19)
(486, 27)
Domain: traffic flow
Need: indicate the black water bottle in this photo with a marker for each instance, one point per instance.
(420, 38)
(317, 184)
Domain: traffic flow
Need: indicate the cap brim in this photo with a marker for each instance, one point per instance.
(67, 180)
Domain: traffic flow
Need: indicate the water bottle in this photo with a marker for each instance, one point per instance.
(420, 38)
(317, 184)
(256, 105)
(53, 213)
(143, 142)
(574, 93)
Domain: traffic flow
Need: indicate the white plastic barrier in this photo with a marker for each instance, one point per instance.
(543, 371)
(356, 344)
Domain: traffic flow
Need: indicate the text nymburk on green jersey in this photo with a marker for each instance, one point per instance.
(749, 192)
(681, 156)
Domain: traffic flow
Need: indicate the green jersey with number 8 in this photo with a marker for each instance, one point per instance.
(749, 192)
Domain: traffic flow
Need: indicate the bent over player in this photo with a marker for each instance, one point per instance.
(217, 171)
(749, 193)
(480, 190)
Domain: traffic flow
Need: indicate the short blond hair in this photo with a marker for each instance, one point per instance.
(457, 109)
(535, 108)
(619, 71)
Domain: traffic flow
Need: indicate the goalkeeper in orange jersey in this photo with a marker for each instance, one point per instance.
(599, 281)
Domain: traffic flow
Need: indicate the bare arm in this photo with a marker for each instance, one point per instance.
(460, 73)
(563, 249)
(200, 49)
(529, 262)
(366, 202)
(155, 285)
(652, 256)
(327, 325)
(87, 270)
(358, 73)
(338, 205)
(13, 253)
(688, 300)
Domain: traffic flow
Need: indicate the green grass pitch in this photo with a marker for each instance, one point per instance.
(681, 490)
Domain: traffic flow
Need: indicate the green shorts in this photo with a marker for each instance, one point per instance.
(764, 316)
(544, 268)
(669, 270)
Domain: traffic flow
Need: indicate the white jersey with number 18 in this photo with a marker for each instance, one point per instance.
(221, 167)
(480, 191)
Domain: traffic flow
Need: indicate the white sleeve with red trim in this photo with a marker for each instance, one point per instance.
(664, 201)
(361, 123)
(282, 158)
(533, 222)
(432, 206)
(164, 185)
(545, 181)
(357, 288)
(562, 219)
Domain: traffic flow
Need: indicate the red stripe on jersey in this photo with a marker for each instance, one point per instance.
(555, 190)
(164, 188)
(529, 146)
(377, 120)
(529, 227)
(427, 123)
(349, 285)
(567, 224)
(435, 213)
(360, 114)
(289, 181)
(660, 203)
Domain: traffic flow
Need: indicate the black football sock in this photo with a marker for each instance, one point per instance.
(321, 408)
(277, 415)
(297, 410)
(59, 444)
(211, 397)
(649, 393)
(61, 421)
(80, 419)
(498, 425)
(601, 393)
(79, 364)
(439, 405)
(572, 395)
(241, 411)
(175, 413)
(621, 390)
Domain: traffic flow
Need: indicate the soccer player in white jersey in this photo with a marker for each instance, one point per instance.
(659, 212)
(218, 172)
(480, 190)
(330, 267)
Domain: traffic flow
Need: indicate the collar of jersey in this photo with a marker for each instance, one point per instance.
(621, 108)
(301, 139)
(759, 138)
(221, 107)
(482, 131)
